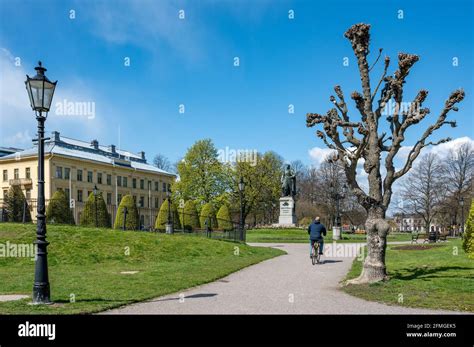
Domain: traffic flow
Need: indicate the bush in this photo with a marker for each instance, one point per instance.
(162, 218)
(58, 210)
(224, 221)
(207, 213)
(305, 221)
(89, 214)
(191, 218)
(16, 205)
(133, 221)
(468, 237)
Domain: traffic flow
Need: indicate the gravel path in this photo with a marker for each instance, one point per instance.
(288, 284)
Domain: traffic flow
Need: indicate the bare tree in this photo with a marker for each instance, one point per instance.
(424, 189)
(363, 141)
(162, 162)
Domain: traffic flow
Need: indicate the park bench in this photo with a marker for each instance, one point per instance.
(442, 237)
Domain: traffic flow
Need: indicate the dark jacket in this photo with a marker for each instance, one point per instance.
(316, 230)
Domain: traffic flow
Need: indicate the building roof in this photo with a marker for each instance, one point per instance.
(8, 150)
(67, 147)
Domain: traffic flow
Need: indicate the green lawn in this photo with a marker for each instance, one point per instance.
(439, 278)
(301, 236)
(86, 263)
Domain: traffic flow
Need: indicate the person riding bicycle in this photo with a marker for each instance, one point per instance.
(316, 230)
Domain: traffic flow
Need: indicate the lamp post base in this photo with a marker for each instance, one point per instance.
(336, 233)
(41, 294)
(169, 228)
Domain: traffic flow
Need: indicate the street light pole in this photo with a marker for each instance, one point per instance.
(95, 191)
(40, 91)
(241, 195)
(169, 224)
(462, 215)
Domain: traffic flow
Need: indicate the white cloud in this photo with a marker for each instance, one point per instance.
(318, 155)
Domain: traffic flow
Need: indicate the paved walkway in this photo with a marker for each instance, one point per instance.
(288, 284)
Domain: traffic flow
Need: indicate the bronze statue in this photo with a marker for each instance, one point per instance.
(288, 182)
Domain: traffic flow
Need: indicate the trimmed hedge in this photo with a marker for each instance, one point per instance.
(58, 210)
(162, 218)
(89, 213)
(208, 213)
(468, 237)
(191, 217)
(15, 205)
(223, 218)
(133, 221)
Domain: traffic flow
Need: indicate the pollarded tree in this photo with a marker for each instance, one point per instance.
(362, 140)
(16, 205)
(88, 217)
(132, 221)
(58, 210)
(224, 221)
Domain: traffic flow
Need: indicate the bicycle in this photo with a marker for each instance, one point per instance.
(315, 256)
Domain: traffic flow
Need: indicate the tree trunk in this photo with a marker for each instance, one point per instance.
(377, 228)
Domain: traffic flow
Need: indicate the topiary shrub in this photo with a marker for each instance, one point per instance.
(132, 222)
(58, 210)
(16, 205)
(305, 221)
(162, 218)
(191, 217)
(468, 237)
(89, 214)
(224, 221)
(208, 213)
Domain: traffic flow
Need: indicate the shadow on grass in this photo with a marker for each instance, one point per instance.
(423, 273)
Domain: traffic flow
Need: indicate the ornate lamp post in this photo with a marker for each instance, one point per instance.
(169, 224)
(40, 91)
(95, 191)
(241, 221)
(461, 202)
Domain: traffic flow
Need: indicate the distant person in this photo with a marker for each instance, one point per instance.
(316, 230)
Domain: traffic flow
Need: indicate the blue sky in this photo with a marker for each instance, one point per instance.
(191, 62)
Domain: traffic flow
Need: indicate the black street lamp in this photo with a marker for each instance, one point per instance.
(461, 201)
(169, 224)
(95, 192)
(241, 221)
(40, 91)
(337, 196)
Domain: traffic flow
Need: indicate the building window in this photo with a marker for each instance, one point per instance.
(16, 174)
(135, 199)
(99, 178)
(89, 176)
(79, 175)
(125, 182)
(27, 172)
(59, 172)
(157, 186)
(5, 175)
(142, 184)
(109, 180)
(109, 198)
(68, 193)
(164, 186)
(157, 202)
(67, 173)
(119, 198)
(79, 196)
(169, 187)
(119, 181)
(142, 201)
(134, 183)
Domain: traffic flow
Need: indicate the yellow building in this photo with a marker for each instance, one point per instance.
(76, 167)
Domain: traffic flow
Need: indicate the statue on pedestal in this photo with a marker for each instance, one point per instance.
(288, 182)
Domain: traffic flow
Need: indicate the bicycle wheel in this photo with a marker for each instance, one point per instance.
(313, 256)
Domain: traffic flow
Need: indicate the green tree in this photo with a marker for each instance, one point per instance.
(202, 175)
(224, 221)
(16, 205)
(208, 214)
(162, 218)
(191, 218)
(133, 221)
(89, 214)
(468, 237)
(58, 210)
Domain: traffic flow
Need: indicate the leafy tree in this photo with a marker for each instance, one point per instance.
(468, 237)
(356, 140)
(89, 214)
(58, 210)
(191, 218)
(162, 218)
(224, 221)
(202, 175)
(133, 221)
(208, 214)
(16, 205)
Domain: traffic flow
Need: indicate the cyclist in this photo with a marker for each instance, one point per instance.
(316, 230)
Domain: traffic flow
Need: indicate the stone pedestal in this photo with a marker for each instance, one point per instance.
(287, 212)
(336, 233)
